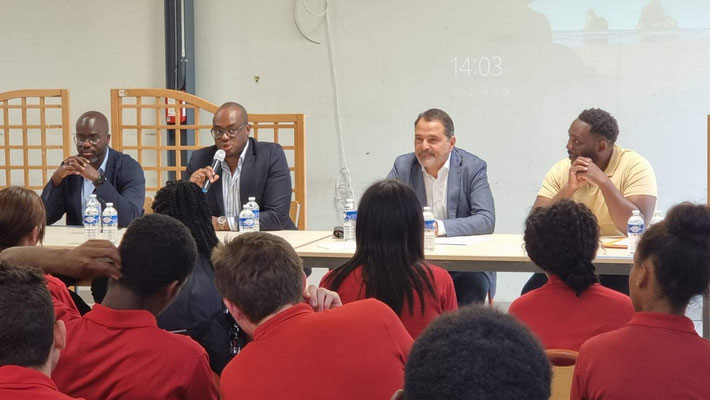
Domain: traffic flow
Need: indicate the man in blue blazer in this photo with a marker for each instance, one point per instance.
(250, 169)
(113, 176)
(454, 184)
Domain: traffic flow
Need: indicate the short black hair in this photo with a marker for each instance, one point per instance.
(679, 247)
(26, 316)
(477, 353)
(435, 114)
(562, 239)
(186, 202)
(155, 251)
(601, 123)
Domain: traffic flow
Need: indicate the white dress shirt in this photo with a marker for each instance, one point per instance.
(436, 194)
(89, 187)
(230, 191)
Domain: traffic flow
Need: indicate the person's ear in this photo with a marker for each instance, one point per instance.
(452, 142)
(59, 343)
(398, 395)
(642, 275)
(32, 238)
(602, 145)
(236, 312)
(172, 290)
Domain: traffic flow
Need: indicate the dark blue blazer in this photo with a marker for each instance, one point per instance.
(265, 175)
(124, 187)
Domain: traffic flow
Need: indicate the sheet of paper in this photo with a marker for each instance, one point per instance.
(461, 240)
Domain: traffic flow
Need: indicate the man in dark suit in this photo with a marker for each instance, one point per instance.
(113, 176)
(454, 184)
(250, 169)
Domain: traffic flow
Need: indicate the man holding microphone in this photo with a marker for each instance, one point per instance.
(249, 169)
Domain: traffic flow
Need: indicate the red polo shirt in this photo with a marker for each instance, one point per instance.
(357, 351)
(27, 384)
(656, 356)
(122, 354)
(561, 320)
(63, 303)
(353, 288)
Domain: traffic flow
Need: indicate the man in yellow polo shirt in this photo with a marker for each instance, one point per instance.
(608, 179)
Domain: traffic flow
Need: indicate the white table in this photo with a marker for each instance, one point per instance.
(496, 252)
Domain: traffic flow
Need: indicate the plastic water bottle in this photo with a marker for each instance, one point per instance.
(657, 217)
(92, 219)
(255, 209)
(349, 220)
(246, 220)
(109, 221)
(429, 230)
(635, 230)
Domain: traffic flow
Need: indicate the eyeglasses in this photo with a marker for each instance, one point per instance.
(231, 132)
(92, 139)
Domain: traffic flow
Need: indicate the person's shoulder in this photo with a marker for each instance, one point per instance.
(631, 157)
(605, 342)
(405, 159)
(467, 156)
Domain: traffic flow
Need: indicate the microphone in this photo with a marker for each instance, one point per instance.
(216, 162)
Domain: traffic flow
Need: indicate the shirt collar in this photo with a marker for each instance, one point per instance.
(296, 310)
(121, 318)
(614, 160)
(225, 166)
(444, 168)
(663, 321)
(14, 375)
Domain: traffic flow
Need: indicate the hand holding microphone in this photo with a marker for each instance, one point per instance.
(204, 177)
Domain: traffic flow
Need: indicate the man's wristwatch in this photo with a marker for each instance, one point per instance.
(222, 221)
(101, 179)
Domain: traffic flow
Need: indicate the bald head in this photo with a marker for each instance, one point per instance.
(231, 107)
(93, 122)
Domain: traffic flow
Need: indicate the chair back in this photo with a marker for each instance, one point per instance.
(34, 136)
(563, 362)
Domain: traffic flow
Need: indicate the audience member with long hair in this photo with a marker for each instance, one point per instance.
(658, 354)
(198, 310)
(572, 306)
(389, 264)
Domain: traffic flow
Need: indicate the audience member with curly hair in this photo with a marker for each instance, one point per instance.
(389, 264)
(198, 310)
(572, 306)
(658, 354)
(476, 353)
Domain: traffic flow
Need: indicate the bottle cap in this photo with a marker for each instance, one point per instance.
(109, 204)
(252, 198)
(427, 208)
(635, 212)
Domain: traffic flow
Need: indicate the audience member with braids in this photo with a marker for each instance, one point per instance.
(572, 306)
(198, 310)
(658, 355)
(389, 264)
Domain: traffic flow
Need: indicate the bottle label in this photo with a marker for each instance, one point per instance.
(110, 220)
(91, 220)
(350, 215)
(256, 214)
(635, 228)
(245, 221)
(430, 224)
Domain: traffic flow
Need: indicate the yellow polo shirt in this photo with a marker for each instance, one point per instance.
(627, 170)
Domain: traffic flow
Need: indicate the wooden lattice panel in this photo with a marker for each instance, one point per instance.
(34, 135)
(139, 128)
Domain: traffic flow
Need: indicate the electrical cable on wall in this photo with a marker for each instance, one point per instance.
(343, 182)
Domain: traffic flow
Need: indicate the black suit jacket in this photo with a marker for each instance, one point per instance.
(264, 175)
(124, 187)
